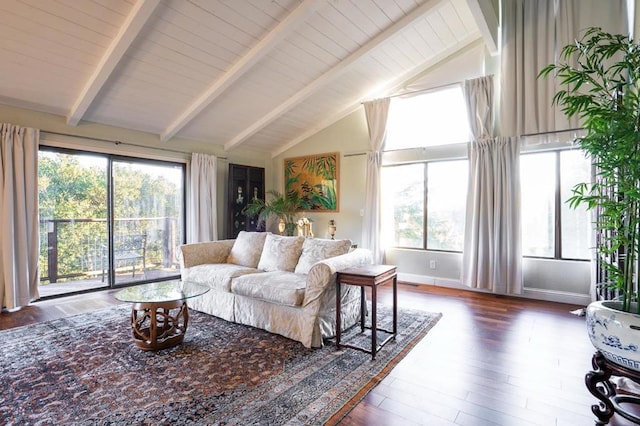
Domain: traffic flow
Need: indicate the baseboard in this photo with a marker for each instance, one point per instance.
(529, 293)
(427, 280)
(557, 296)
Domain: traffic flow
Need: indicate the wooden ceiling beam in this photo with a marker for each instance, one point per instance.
(128, 32)
(268, 43)
(486, 16)
(330, 75)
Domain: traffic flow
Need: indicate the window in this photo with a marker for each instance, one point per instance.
(550, 229)
(438, 117)
(424, 203)
(446, 204)
(404, 200)
(107, 220)
(403, 205)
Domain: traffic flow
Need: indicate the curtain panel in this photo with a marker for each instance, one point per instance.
(492, 257)
(478, 95)
(202, 224)
(376, 112)
(19, 239)
(533, 35)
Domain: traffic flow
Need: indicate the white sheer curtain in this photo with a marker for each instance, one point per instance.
(492, 253)
(203, 219)
(376, 112)
(19, 239)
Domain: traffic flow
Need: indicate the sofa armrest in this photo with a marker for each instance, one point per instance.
(323, 274)
(203, 253)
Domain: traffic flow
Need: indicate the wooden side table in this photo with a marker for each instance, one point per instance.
(368, 276)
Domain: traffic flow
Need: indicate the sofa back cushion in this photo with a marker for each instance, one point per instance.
(315, 249)
(247, 249)
(280, 253)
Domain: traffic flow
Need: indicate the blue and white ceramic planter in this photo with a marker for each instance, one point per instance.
(615, 333)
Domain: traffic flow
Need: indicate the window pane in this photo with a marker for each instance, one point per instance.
(147, 221)
(576, 223)
(403, 206)
(434, 118)
(72, 198)
(538, 177)
(446, 204)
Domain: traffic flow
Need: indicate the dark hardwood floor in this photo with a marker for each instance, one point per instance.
(489, 361)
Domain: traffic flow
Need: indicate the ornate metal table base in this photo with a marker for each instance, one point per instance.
(159, 325)
(598, 383)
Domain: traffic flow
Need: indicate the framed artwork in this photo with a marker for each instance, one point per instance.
(313, 180)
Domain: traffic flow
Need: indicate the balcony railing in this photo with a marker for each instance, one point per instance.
(77, 248)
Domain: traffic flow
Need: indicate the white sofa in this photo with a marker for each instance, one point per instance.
(285, 285)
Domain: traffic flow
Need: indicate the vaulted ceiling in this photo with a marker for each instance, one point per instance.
(257, 74)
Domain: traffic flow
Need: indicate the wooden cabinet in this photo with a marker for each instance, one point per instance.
(245, 184)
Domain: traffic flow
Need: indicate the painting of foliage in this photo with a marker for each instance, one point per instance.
(314, 178)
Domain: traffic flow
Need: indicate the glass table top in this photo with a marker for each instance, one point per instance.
(165, 291)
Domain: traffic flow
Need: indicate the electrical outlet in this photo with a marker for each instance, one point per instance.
(432, 264)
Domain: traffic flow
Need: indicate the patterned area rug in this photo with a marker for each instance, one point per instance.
(85, 370)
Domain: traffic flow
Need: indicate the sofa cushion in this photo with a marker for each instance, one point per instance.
(280, 253)
(247, 249)
(315, 249)
(284, 288)
(216, 275)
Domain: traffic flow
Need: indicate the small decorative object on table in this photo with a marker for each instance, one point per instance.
(305, 227)
(332, 229)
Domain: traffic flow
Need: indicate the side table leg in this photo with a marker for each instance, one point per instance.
(374, 322)
(338, 319)
(363, 308)
(598, 383)
(395, 305)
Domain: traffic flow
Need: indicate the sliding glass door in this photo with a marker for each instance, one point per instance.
(107, 220)
(148, 200)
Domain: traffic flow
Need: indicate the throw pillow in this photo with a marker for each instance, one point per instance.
(314, 250)
(280, 253)
(247, 249)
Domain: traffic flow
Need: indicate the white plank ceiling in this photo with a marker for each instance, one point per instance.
(257, 74)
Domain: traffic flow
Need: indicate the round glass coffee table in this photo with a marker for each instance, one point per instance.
(160, 315)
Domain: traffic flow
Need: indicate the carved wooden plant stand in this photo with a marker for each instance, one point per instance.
(598, 383)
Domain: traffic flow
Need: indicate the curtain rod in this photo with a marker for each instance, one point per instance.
(442, 86)
(118, 142)
(550, 132)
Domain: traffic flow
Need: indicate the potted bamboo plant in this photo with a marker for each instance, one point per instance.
(284, 207)
(600, 75)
